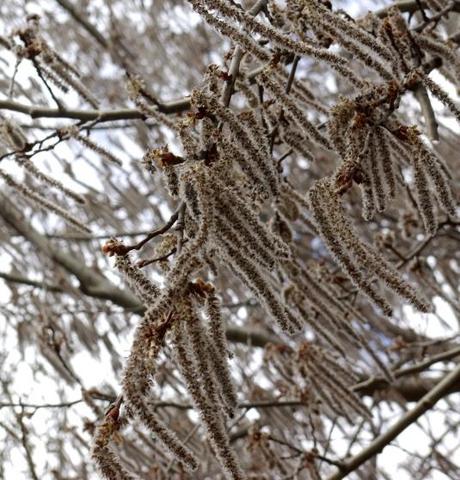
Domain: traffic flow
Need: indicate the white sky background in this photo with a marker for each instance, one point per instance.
(98, 371)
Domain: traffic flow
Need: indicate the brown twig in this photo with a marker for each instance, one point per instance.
(117, 248)
(378, 444)
(435, 18)
(144, 263)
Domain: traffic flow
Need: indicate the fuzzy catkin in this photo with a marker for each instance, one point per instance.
(103, 152)
(444, 97)
(42, 202)
(443, 49)
(386, 162)
(107, 462)
(281, 39)
(321, 211)
(373, 262)
(226, 29)
(52, 182)
(293, 110)
(13, 135)
(349, 28)
(254, 155)
(438, 177)
(187, 366)
(61, 71)
(138, 371)
(137, 280)
(251, 275)
(424, 198)
(319, 25)
(216, 333)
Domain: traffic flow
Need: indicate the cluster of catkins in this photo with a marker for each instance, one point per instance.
(53, 68)
(191, 322)
(13, 137)
(226, 176)
(50, 66)
(267, 459)
(316, 370)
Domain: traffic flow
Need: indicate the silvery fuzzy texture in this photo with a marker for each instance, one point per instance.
(65, 75)
(311, 316)
(281, 39)
(54, 79)
(424, 196)
(444, 49)
(338, 315)
(12, 135)
(340, 117)
(107, 462)
(42, 202)
(371, 261)
(435, 171)
(293, 110)
(255, 157)
(218, 341)
(398, 150)
(376, 173)
(230, 152)
(256, 131)
(238, 210)
(254, 278)
(331, 374)
(320, 196)
(441, 95)
(137, 280)
(28, 165)
(349, 28)
(87, 142)
(387, 166)
(242, 240)
(153, 112)
(296, 139)
(299, 89)
(320, 24)
(329, 314)
(137, 375)
(226, 29)
(188, 366)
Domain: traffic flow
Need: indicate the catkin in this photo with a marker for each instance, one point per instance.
(207, 409)
(42, 202)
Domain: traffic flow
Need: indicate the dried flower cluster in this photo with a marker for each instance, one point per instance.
(315, 370)
(48, 63)
(227, 177)
(238, 214)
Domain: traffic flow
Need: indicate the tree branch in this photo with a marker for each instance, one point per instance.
(91, 29)
(237, 57)
(411, 389)
(41, 405)
(426, 403)
(407, 6)
(33, 111)
(427, 111)
(12, 278)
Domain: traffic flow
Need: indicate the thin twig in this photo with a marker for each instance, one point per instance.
(236, 59)
(124, 249)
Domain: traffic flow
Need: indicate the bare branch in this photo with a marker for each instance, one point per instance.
(377, 445)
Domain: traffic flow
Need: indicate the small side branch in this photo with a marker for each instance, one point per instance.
(115, 247)
(426, 403)
(12, 278)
